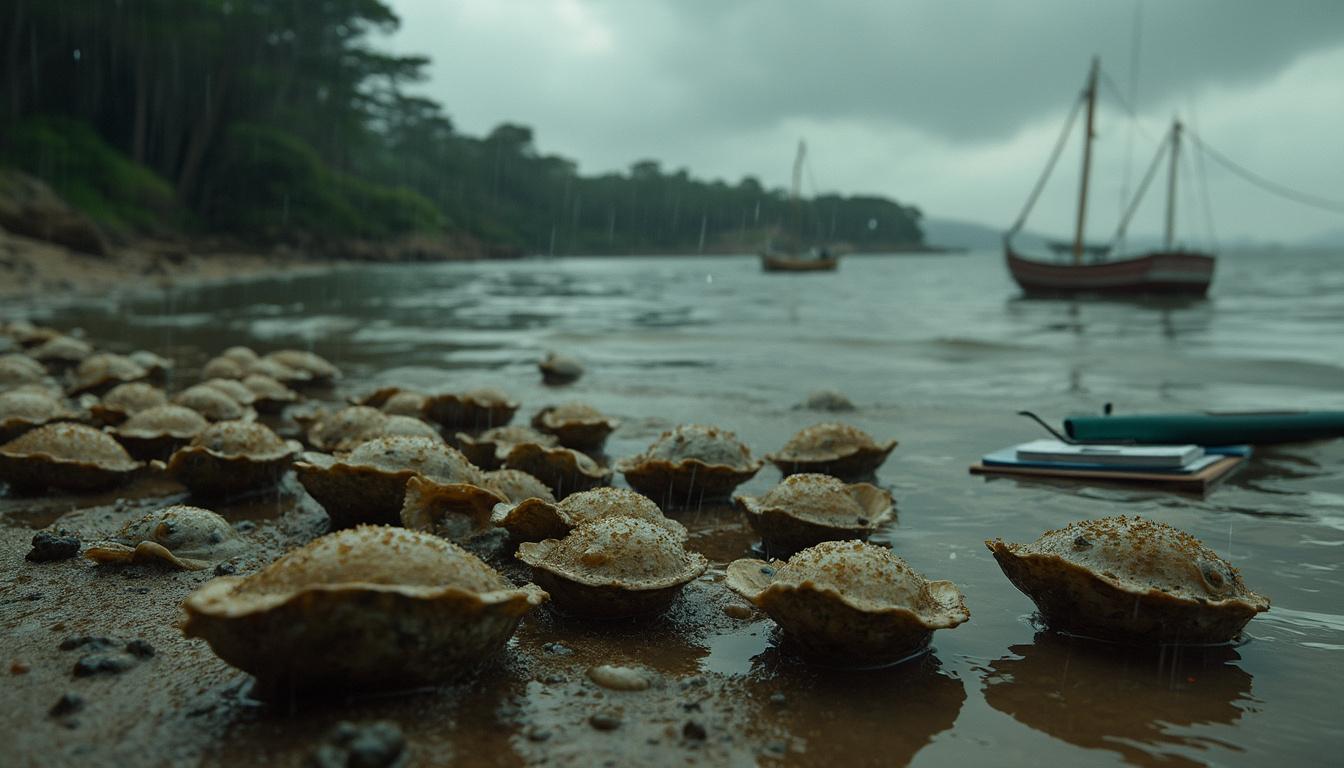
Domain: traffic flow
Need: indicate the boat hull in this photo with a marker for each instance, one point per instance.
(1167, 273)
(788, 264)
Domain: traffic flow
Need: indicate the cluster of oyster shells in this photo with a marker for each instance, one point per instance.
(408, 479)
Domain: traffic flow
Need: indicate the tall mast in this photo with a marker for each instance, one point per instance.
(1091, 95)
(1171, 181)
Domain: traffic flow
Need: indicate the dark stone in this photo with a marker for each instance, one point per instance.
(693, 731)
(225, 569)
(138, 590)
(140, 649)
(90, 642)
(778, 699)
(245, 526)
(605, 721)
(374, 745)
(557, 649)
(68, 704)
(538, 734)
(48, 546)
(103, 664)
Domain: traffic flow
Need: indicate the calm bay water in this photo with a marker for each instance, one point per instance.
(938, 352)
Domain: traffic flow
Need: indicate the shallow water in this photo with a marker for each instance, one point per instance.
(938, 352)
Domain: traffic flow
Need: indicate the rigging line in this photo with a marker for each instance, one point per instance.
(1135, 44)
(1202, 174)
(1301, 197)
(1126, 106)
(1143, 188)
(1049, 167)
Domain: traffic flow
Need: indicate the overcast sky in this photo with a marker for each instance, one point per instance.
(949, 105)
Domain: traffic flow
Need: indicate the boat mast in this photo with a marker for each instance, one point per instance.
(1171, 181)
(1091, 95)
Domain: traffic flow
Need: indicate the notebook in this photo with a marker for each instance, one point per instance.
(1130, 456)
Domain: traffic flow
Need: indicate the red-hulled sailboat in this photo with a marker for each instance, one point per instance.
(1169, 271)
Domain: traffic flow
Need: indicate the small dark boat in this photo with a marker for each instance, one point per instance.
(781, 263)
(1169, 271)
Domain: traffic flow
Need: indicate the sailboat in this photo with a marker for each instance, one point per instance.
(1168, 271)
(820, 259)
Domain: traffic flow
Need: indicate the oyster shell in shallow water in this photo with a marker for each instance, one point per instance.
(559, 369)
(189, 538)
(808, 509)
(313, 368)
(470, 411)
(516, 485)
(536, 519)
(1130, 579)
(576, 425)
(457, 511)
(690, 464)
(563, 470)
(269, 395)
(25, 409)
(835, 449)
(214, 404)
(156, 432)
(346, 428)
(403, 608)
(104, 370)
(850, 602)
(65, 455)
(489, 449)
(232, 457)
(613, 567)
(18, 370)
(125, 400)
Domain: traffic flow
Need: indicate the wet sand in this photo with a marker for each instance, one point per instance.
(998, 690)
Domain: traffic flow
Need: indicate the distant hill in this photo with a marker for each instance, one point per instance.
(954, 233)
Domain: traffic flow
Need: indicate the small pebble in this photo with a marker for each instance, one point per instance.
(103, 664)
(138, 590)
(68, 704)
(140, 649)
(693, 731)
(778, 699)
(225, 569)
(620, 678)
(740, 611)
(18, 668)
(245, 526)
(605, 721)
(538, 734)
(557, 649)
(49, 546)
(33, 596)
(91, 642)
(373, 745)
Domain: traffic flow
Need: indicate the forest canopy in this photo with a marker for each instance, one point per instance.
(272, 120)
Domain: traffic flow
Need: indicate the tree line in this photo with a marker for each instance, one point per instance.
(275, 119)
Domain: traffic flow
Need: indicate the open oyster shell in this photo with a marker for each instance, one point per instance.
(575, 425)
(835, 449)
(369, 485)
(1130, 579)
(563, 470)
(516, 485)
(156, 432)
(65, 455)
(232, 457)
(214, 404)
(25, 409)
(536, 519)
(189, 538)
(808, 509)
(489, 449)
(850, 602)
(125, 400)
(403, 608)
(456, 511)
(613, 567)
(346, 428)
(689, 464)
(470, 411)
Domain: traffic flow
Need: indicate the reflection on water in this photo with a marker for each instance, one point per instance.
(1140, 703)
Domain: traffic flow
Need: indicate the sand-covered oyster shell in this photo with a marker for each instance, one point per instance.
(470, 411)
(28, 334)
(576, 425)
(65, 455)
(104, 370)
(402, 607)
(408, 426)
(181, 536)
(689, 464)
(269, 395)
(61, 352)
(282, 373)
(457, 511)
(234, 388)
(223, 368)
(808, 509)
(559, 369)
(849, 603)
(395, 401)
(231, 458)
(155, 433)
(25, 409)
(214, 404)
(1130, 579)
(18, 370)
(535, 519)
(516, 485)
(832, 448)
(489, 449)
(125, 400)
(613, 567)
(156, 365)
(369, 485)
(563, 470)
(318, 368)
(346, 428)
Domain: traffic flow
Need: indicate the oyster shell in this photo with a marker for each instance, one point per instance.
(213, 404)
(689, 464)
(408, 426)
(613, 567)
(29, 335)
(475, 410)
(125, 400)
(535, 519)
(489, 449)
(808, 509)
(559, 369)
(403, 607)
(1130, 579)
(232, 457)
(24, 409)
(234, 388)
(244, 356)
(61, 352)
(516, 485)
(346, 428)
(369, 485)
(456, 511)
(563, 470)
(223, 368)
(157, 365)
(155, 433)
(104, 370)
(832, 448)
(189, 538)
(850, 601)
(19, 370)
(575, 425)
(270, 396)
(64, 455)
(317, 369)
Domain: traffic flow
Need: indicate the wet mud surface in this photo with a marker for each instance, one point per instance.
(96, 671)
